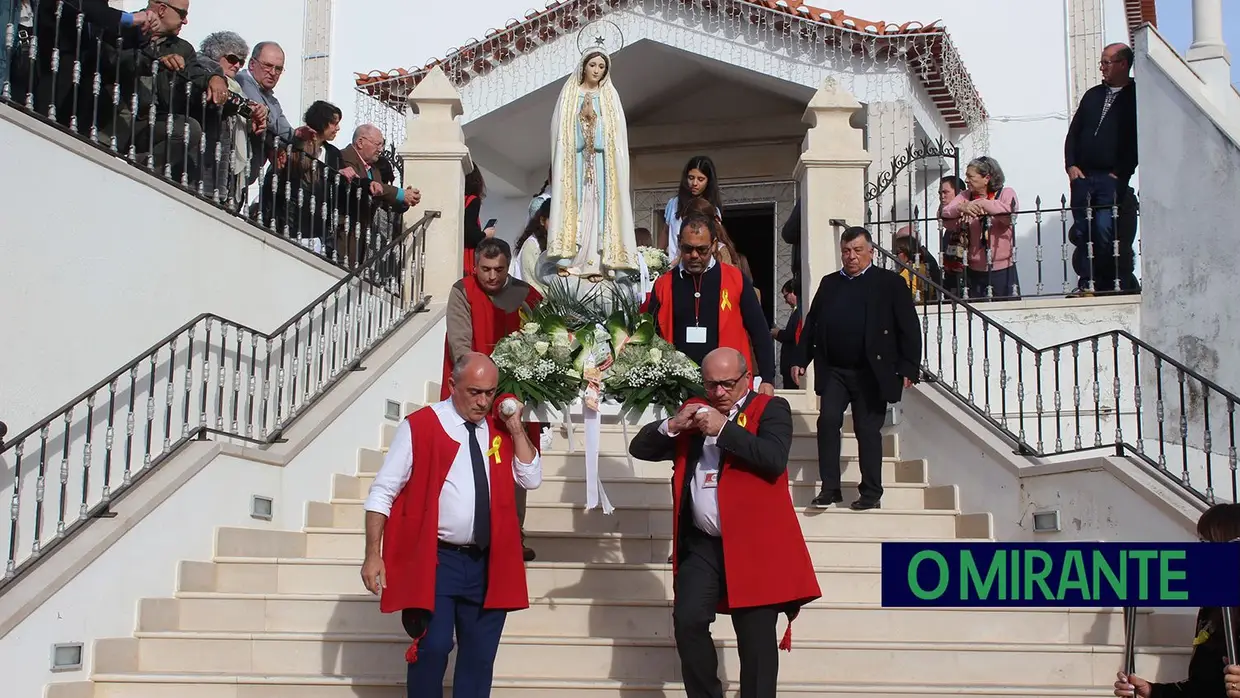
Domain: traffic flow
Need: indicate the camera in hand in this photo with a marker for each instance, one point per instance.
(239, 105)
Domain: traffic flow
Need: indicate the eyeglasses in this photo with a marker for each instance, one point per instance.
(183, 14)
(234, 59)
(1105, 63)
(712, 386)
(276, 69)
(700, 250)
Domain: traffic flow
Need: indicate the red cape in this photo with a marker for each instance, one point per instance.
(411, 536)
(490, 324)
(766, 561)
(732, 332)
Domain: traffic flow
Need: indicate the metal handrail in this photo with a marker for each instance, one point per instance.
(263, 385)
(1122, 447)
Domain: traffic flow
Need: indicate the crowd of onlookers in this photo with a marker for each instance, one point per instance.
(977, 212)
(207, 118)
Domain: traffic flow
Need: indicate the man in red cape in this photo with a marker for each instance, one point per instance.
(737, 547)
(483, 308)
(443, 545)
(703, 303)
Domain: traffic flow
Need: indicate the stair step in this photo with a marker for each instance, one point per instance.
(804, 445)
(911, 493)
(267, 686)
(617, 466)
(649, 659)
(276, 686)
(545, 579)
(571, 546)
(592, 617)
(648, 518)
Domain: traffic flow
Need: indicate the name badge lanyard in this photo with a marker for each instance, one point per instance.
(697, 300)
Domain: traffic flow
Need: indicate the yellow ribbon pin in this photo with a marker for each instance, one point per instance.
(725, 303)
(494, 452)
(741, 421)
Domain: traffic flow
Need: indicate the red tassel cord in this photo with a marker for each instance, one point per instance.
(411, 654)
(786, 643)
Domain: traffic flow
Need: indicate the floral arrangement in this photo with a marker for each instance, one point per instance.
(535, 364)
(572, 348)
(656, 260)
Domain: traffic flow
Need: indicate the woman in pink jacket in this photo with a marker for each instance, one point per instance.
(986, 208)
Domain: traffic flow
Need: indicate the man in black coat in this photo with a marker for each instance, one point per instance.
(862, 334)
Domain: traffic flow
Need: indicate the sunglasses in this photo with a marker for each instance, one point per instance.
(234, 59)
(183, 14)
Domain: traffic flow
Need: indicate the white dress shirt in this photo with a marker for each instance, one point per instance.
(705, 486)
(456, 499)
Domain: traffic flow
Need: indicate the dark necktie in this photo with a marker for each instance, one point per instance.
(482, 490)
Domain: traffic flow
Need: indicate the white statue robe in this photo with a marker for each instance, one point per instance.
(591, 226)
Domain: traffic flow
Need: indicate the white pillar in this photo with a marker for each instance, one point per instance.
(1208, 53)
(831, 172)
(436, 161)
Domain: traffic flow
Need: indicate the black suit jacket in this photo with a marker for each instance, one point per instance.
(764, 454)
(892, 332)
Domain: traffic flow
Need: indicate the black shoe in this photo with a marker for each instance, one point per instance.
(826, 498)
(864, 505)
(528, 554)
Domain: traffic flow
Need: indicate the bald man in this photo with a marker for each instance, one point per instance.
(730, 462)
(358, 165)
(443, 545)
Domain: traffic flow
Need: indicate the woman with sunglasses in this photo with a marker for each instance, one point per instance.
(230, 126)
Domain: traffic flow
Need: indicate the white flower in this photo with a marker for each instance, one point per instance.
(655, 356)
(541, 347)
(530, 328)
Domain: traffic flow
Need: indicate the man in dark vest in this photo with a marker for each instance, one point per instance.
(704, 303)
(443, 546)
(730, 455)
(483, 308)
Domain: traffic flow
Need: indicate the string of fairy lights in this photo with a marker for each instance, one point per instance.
(504, 67)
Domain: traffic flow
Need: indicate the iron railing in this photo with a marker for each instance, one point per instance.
(1109, 390)
(110, 89)
(1088, 245)
(210, 377)
(1059, 265)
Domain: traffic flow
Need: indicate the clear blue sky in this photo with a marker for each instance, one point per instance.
(1175, 23)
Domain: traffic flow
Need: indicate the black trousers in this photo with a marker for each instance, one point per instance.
(699, 585)
(840, 387)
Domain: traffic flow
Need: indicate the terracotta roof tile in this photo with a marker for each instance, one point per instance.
(517, 36)
(1138, 13)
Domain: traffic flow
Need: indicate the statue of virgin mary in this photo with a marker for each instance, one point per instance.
(590, 232)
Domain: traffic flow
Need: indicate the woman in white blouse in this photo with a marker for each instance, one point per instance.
(529, 262)
(697, 182)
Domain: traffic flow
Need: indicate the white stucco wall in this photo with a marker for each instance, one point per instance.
(103, 261)
(1093, 502)
(143, 563)
(1187, 307)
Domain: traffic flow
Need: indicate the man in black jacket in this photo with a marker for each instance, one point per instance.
(156, 69)
(1100, 156)
(862, 334)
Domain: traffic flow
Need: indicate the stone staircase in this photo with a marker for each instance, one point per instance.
(282, 614)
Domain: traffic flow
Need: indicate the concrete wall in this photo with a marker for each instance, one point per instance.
(1187, 307)
(141, 561)
(102, 260)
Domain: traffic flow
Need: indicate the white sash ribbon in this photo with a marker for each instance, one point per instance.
(595, 495)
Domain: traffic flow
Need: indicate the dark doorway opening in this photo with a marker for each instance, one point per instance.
(752, 229)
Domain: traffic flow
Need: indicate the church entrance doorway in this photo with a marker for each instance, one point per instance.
(752, 229)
